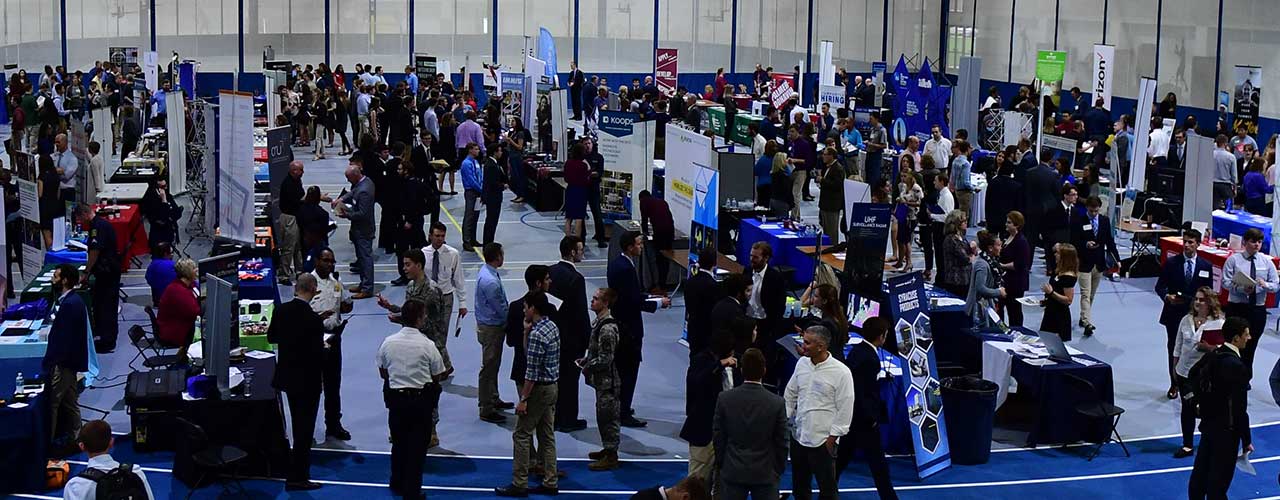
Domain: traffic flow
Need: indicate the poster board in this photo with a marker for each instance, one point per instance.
(667, 72)
(1197, 197)
(687, 151)
(909, 303)
(103, 122)
(1246, 98)
(867, 234)
(279, 155)
(1060, 147)
(783, 89)
(124, 57)
(832, 95)
(626, 143)
(1141, 135)
(24, 165)
(424, 65)
(706, 213)
(151, 70)
(235, 166)
(1103, 75)
(176, 122)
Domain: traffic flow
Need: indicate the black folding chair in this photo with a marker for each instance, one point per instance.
(211, 459)
(138, 337)
(1095, 408)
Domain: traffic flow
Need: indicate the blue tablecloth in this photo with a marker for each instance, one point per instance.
(65, 256)
(1056, 420)
(784, 245)
(263, 289)
(1237, 222)
(23, 432)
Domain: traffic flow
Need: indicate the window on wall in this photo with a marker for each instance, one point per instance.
(1131, 27)
(617, 36)
(991, 38)
(518, 19)
(1033, 31)
(1079, 28)
(959, 44)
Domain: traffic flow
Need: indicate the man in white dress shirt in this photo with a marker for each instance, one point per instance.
(819, 402)
(1249, 302)
(331, 297)
(96, 440)
(444, 271)
(412, 368)
(66, 164)
(939, 148)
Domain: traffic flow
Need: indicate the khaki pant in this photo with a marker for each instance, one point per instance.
(539, 417)
(964, 199)
(1088, 288)
(702, 461)
(64, 409)
(490, 337)
(290, 254)
(798, 178)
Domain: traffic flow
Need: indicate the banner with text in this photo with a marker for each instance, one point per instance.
(909, 303)
(1104, 73)
(667, 73)
(1247, 97)
(921, 103)
(706, 213)
(832, 95)
(626, 143)
(784, 86)
(235, 166)
(687, 151)
(424, 66)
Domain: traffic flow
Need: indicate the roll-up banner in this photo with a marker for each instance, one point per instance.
(424, 66)
(1141, 135)
(783, 88)
(235, 166)
(832, 95)
(668, 71)
(176, 123)
(1247, 98)
(687, 151)
(913, 330)
(626, 143)
(1104, 73)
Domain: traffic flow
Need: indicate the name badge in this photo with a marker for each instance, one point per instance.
(1087, 227)
(1204, 274)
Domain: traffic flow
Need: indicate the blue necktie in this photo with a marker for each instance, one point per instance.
(1191, 265)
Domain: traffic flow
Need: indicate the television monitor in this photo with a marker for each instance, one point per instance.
(225, 266)
(860, 309)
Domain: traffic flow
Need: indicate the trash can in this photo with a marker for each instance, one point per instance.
(969, 404)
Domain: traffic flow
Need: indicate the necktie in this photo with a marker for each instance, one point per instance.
(1253, 274)
(1191, 265)
(435, 266)
(1094, 223)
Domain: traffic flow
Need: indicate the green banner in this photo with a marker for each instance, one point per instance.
(1051, 65)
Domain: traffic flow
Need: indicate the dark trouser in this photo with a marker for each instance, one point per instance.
(470, 216)
(866, 437)
(808, 464)
(663, 241)
(926, 243)
(570, 379)
(106, 310)
(1014, 309)
(388, 227)
(518, 182)
(1171, 331)
(1050, 260)
(737, 491)
(492, 210)
(69, 195)
(628, 361)
(805, 186)
(433, 209)
(875, 164)
(1257, 318)
(410, 433)
(593, 200)
(763, 192)
(1215, 465)
(408, 239)
(1221, 193)
(332, 376)
(935, 227)
(303, 406)
(575, 100)
(1188, 415)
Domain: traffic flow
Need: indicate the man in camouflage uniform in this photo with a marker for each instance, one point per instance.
(602, 374)
(420, 289)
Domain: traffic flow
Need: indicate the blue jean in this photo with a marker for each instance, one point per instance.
(364, 260)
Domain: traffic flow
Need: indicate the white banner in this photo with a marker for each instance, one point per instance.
(1141, 135)
(686, 150)
(151, 70)
(826, 70)
(235, 166)
(1103, 76)
(559, 105)
(1197, 197)
(627, 147)
(102, 124)
(833, 95)
(176, 122)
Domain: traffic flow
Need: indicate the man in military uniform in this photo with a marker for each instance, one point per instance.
(104, 264)
(602, 374)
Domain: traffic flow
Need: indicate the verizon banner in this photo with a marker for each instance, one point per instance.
(667, 72)
(783, 89)
(1104, 60)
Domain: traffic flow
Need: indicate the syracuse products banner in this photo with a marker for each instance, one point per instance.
(920, 105)
(668, 71)
(910, 306)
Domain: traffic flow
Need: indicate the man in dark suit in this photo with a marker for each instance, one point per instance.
(624, 278)
(1182, 275)
(711, 371)
(298, 333)
(1055, 225)
(1043, 187)
(575, 89)
(730, 311)
(568, 285)
(421, 158)
(495, 183)
(1178, 150)
(701, 294)
(1091, 235)
(1004, 195)
(868, 410)
(749, 433)
(689, 488)
(1224, 416)
(768, 296)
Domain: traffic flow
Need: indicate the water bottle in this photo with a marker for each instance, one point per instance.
(18, 382)
(1228, 205)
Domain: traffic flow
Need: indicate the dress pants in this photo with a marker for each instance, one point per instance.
(364, 260)
(539, 418)
(808, 464)
(332, 377)
(575, 101)
(926, 243)
(304, 403)
(409, 436)
(1257, 318)
(1188, 415)
(64, 403)
(492, 211)
(290, 255)
(593, 200)
(866, 437)
(491, 338)
(470, 216)
(830, 222)
(936, 228)
(799, 180)
(628, 361)
(1215, 465)
(405, 240)
(1014, 309)
(1171, 332)
(739, 491)
(1221, 193)
(570, 380)
(106, 310)
(1089, 282)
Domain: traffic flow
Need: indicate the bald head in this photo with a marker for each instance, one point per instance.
(306, 285)
(295, 169)
(60, 141)
(354, 173)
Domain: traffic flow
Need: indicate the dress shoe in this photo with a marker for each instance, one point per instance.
(1088, 331)
(1183, 453)
(301, 486)
(576, 425)
(354, 288)
(494, 418)
(504, 405)
(602, 244)
(338, 433)
(609, 461)
(435, 441)
(543, 489)
(597, 455)
(361, 295)
(468, 248)
(400, 281)
(511, 490)
(630, 421)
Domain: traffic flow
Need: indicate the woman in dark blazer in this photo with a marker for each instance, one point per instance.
(1015, 260)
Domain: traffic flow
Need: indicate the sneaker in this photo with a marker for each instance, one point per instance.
(631, 421)
(511, 490)
(543, 489)
(301, 486)
(504, 405)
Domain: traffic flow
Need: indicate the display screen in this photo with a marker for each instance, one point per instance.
(860, 309)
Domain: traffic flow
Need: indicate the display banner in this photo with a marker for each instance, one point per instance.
(667, 74)
(235, 166)
(279, 155)
(124, 57)
(1060, 147)
(784, 86)
(1247, 98)
(424, 66)
(706, 213)
(1197, 197)
(921, 103)
(878, 70)
(151, 70)
(547, 52)
(1141, 135)
(832, 95)
(626, 143)
(78, 144)
(1104, 73)
(1051, 65)
(909, 304)
(176, 123)
(103, 122)
(559, 107)
(867, 230)
(826, 70)
(511, 82)
(686, 152)
(24, 165)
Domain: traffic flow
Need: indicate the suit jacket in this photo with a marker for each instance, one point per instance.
(568, 285)
(1004, 195)
(750, 435)
(1043, 187)
(1093, 258)
(701, 295)
(724, 315)
(421, 158)
(648, 494)
(622, 278)
(361, 198)
(298, 333)
(1226, 409)
(1055, 225)
(68, 346)
(773, 296)
(703, 383)
(576, 79)
(864, 364)
(495, 181)
(1173, 280)
(1175, 160)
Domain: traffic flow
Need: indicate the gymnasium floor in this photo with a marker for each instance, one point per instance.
(474, 456)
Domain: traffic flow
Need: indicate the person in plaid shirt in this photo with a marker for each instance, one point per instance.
(536, 410)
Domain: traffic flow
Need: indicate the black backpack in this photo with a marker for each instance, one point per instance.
(1200, 379)
(119, 483)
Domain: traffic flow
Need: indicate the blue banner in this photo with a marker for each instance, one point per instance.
(547, 52)
(920, 103)
(909, 304)
(869, 224)
(617, 123)
(511, 82)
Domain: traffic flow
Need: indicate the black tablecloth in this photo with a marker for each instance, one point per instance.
(254, 424)
(1053, 400)
(24, 432)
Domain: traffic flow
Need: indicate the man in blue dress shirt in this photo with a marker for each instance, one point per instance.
(491, 319)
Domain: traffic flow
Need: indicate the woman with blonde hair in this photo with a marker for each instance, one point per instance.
(957, 254)
(1188, 348)
(1060, 292)
(178, 309)
(780, 182)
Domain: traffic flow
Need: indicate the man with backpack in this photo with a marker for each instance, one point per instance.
(105, 478)
(1221, 383)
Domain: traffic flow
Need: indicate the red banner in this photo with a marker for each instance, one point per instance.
(783, 88)
(667, 72)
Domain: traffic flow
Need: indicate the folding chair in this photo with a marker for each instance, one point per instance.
(211, 459)
(1097, 409)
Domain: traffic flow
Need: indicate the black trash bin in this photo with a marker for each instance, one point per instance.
(969, 404)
